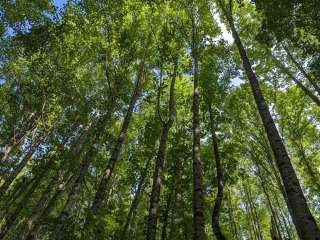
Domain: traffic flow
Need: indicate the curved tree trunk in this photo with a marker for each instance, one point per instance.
(304, 221)
(219, 177)
(158, 171)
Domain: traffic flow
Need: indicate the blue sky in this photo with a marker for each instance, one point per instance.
(59, 3)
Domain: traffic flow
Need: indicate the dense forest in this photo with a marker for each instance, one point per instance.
(160, 119)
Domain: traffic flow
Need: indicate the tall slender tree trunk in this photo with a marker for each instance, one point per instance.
(301, 69)
(11, 217)
(252, 229)
(36, 212)
(171, 199)
(73, 194)
(51, 204)
(306, 91)
(103, 185)
(198, 197)
(136, 199)
(160, 160)
(18, 138)
(166, 213)
(231, 217)
(273, 213)
(304, 221)
(177, 198)
(252, 207)
(306, 163)
(219, 177)
(18, 169)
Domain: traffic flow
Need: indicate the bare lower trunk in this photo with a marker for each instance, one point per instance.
(304, 221)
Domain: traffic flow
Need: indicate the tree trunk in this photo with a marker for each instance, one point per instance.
(136, 199)
(171, 200)
(198, 197)
(301, 69)
(231, 218)
(17, 139)
(158, 171)
(273, 213)
(18, 169)
(103, 185)
(304, 221)
(252, 208)
(51, 204)
(38, 209)
(73, 195)
(306, 163)
(306, 91)
(219, 177)
(10, 218)
(166, 214)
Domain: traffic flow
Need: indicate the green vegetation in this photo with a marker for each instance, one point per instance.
(160, 120)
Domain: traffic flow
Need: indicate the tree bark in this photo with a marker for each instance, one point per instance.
(73, 194)
(166, 214)
(306, 91)
(136, 199)
(18, 138)
(198, 197)
(10, 218)
(301, 69)
(38, 209)
(310, 171)
(231, 218)
(304, 221)
(19, 168)
(158, 171)
(51, 204)
(219, 177)
(103, 185)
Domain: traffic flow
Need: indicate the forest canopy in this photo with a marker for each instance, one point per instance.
(159, 119)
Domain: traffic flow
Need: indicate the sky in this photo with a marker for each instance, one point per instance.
(59, 3)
